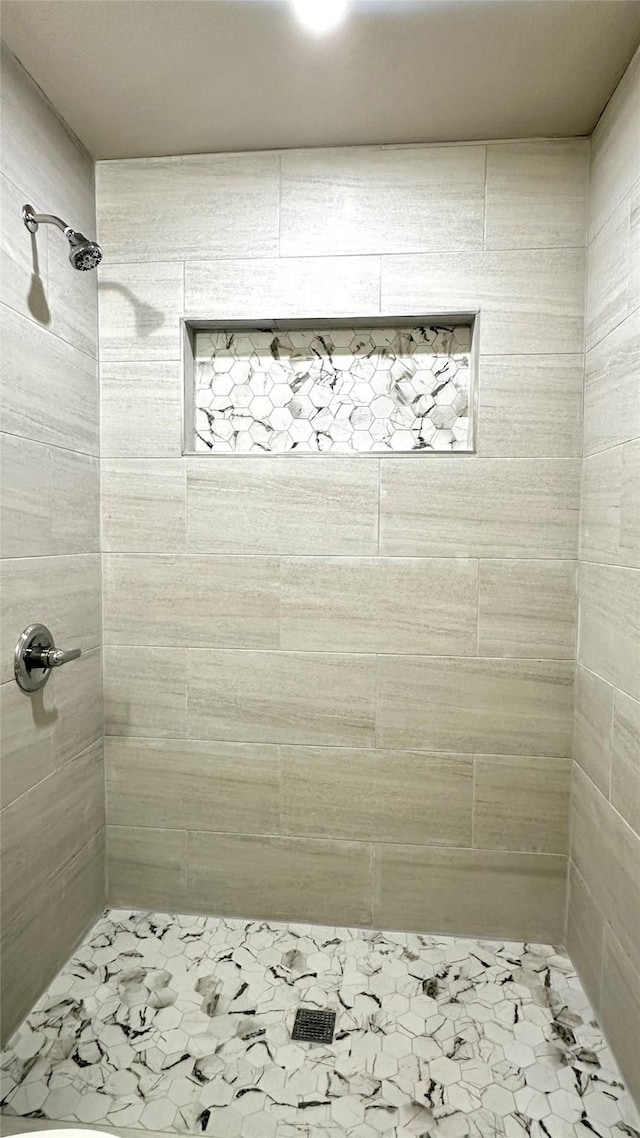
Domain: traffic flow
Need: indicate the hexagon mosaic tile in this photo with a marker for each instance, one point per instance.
(184, 1024)
(344, 390)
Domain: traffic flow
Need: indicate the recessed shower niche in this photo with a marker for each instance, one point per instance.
(344, 387)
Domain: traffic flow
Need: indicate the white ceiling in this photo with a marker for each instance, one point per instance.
(152, 77)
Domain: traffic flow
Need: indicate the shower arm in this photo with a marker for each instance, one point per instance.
(33, 220)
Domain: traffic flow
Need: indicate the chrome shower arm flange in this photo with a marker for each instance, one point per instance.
(32, 220)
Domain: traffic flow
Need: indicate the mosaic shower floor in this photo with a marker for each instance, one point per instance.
(184, 1024)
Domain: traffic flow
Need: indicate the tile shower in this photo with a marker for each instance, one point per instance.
(338, 688)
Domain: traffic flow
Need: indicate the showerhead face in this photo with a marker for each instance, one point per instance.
(84, 254)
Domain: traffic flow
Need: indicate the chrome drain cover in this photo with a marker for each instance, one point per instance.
(314, 1026)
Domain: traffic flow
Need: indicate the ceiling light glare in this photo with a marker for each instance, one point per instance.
(320, 15)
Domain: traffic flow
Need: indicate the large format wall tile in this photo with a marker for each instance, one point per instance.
(143, 505)
(271, 288)
(610, 624)
(24, 283)
(280, 878)
(620, 1009)
(282, 697)
(46, 827)
(614, 158)
(593, 701)
(49, 389)
(625, 758)
(585, 934)
(380, 605)
(287, 505)
(196, 205)
(147, 868)
(198, 602)
(612, 387)
(403, 796)
(386, 200)
(530, 301)
(192, 785)
(63, 592)
(140, 306)
(140, 410)
(485, 892)
(57, 918)
(145, 692)
(505, 707)
(449, 506)
(521, 803)
(527, 609)
(608, 295)
(611, 864)
(529, 406)
(537, 194)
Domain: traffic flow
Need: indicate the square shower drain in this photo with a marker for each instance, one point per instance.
(312, 1026)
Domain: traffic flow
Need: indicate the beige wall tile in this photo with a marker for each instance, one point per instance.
(282, 697)
(438, 507)
(610, 624)
(27, 726)
(607, 281)
(77, 695)
(630, 505)
(196, 205)
(612, 387)
(46, 933)
(139, 308)
(294, 286)
(62, 592)
(620, 1010)
(537, 194)
(39, 153)
(470, 892)
(531, 301)
(585, 935)
(145, 692)
(25, 497)
(192, 786)
(530, 406)
(50, 390)
(510, 707)
(395, 796)
(625, 758)
(48, 826)
(200, 602)
(606, 853)
(521, 803)
(600, 506)
(294, 505)
(73, 295)
(140, 410)
(143, 505)
(374, 200)
(527, 609)
(423, 605)
(23, 257)
(593, 698)
(75, 502)
(614, 161)
(147, 868)
(295, 879)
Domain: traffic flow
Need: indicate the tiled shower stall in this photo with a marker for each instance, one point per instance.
(367, 691)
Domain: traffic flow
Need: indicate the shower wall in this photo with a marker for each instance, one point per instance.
(340, 689)
(604, 897)
(52, 820)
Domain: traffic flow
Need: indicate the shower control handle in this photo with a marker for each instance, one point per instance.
(36, 654)
(51, 657)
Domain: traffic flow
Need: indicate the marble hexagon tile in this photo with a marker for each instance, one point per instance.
(344, 390)
(184, 1024)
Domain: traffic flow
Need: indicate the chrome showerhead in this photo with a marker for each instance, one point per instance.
(83, 254)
